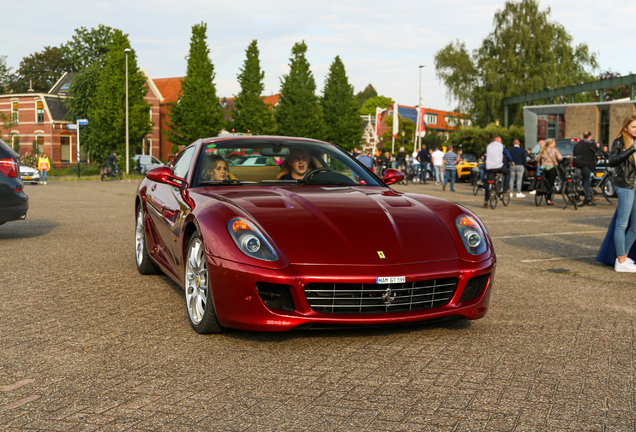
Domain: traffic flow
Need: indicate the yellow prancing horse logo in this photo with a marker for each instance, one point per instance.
(381, 254)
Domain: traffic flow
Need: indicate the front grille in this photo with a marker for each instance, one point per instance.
(339, 298)
(474, 287)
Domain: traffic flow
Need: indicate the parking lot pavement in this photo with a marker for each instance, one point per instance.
(89, 344)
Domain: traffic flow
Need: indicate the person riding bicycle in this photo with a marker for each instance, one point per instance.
(585, 155)
(496, 158)
(111, 161)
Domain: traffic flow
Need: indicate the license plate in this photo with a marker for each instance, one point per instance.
(390, 280)
(26, 178)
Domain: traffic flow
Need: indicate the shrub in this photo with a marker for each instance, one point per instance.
(29, 159)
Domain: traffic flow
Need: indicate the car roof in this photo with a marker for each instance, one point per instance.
(6, 151)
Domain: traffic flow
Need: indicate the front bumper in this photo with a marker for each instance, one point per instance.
(238, 304)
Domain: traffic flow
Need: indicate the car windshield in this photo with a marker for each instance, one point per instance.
(564, 146)
(469, 157)
(280, 162)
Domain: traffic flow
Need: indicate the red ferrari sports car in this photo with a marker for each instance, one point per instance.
(276, 233)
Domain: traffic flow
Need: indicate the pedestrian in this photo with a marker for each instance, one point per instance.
(416, 164)
(400, 160)
(548, 160)
(355, 153)
(516, 171)
(366, 160)
(438, 160)
(496, 157)
(44, 165)
(425, 158)
(585, 155)
(450, 168)
(624, 178)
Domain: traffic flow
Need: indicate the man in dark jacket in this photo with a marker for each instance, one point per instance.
(519, 158)
(585, 158)
(425, 158)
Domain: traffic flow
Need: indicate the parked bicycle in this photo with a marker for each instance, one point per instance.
(604, 185)
(572, 185)
(496, 189)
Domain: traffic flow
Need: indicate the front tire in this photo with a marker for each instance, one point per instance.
(198, 293)
(145, 265)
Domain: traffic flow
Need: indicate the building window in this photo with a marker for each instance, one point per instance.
(150, 112)
(451, 121)
(40, 113)
(15, 140)
(15, 117)
(40, 145)
(604, 128)
(431, 119)
(65, 144)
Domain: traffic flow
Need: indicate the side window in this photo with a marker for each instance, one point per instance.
(182, 165)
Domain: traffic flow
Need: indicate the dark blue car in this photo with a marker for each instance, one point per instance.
(13, 201)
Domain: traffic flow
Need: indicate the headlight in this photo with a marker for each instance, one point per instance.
(249, 240)
(472, 235)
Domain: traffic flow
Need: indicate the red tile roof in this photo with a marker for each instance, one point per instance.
(169, 88)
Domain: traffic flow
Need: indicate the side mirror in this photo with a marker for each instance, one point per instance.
(392, 176)
(165, 175)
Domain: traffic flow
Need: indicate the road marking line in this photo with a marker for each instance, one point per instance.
(559, 258)
(541, 220)
(16, 385)
(549, 234)
(20, 402)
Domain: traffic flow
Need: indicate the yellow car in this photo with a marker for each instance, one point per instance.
(465, 166)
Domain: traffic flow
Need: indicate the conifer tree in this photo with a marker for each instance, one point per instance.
(250, 113)
(107, 113)
(299, 112)
(342, 119)
(197, 114)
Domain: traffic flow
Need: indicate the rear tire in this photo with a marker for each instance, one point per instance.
(493, 198)
(145, 265)
(538, 198)
(609, 192)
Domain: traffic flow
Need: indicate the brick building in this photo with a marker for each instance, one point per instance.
(603, 119)
(42, 120)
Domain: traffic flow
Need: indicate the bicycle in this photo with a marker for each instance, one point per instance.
(572, 186)
(497, 186)
(475, 181)
(606, 186)
(543, 189)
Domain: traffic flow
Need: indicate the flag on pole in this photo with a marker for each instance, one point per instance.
(422, 120)
(396, 114)
(378, 117)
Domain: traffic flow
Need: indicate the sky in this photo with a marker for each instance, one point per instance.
(381, 43)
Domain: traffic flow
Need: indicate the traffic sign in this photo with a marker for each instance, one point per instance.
(82, 122)
(71, 126)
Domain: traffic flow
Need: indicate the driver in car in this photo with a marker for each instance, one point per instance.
(215, 168)
(299, 162)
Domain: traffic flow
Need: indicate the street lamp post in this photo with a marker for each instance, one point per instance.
(127, 50)
(419, 132)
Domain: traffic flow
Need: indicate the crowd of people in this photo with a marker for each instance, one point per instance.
(619, 246)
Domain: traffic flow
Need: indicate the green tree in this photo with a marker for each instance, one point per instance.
(299, 112)
(86, 47)
(106, 113)
(370, 104)
(342, 119)
(368, 93)
(42, 69)
(6, 77)
(525, 53)
(250, 113)
(85, 53)
(197, 114)
(6, 123)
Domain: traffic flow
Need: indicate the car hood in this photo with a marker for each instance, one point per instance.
(347, 226)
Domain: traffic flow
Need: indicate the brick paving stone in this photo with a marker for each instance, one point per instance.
(109, 349)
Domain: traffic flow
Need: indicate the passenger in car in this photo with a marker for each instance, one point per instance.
(215, 168)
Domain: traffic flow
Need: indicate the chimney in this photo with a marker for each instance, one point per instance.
(30, 90)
